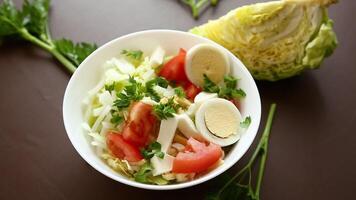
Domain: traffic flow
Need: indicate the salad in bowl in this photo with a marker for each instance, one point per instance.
(166, 116)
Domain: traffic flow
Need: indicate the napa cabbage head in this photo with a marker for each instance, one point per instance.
(278, 39)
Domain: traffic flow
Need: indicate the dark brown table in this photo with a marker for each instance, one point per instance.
(312, 148)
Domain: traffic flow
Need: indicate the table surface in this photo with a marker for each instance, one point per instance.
(312, 147)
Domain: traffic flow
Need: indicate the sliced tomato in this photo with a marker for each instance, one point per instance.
(174, 70)
(121, 148)
(140, 124)
(197, 157)
(191, 90)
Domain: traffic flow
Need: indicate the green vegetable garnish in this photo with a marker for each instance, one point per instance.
(142, 174)
(240, 185)
(134, 54)
(134, 91)
(228, 90)
(150, 92)
(154, 149)
(117, 119)
(196, 5)
(179, 91)
(31, 24)
(246, 123)
(166, 110)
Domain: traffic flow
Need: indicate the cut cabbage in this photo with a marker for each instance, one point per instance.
(278, 39)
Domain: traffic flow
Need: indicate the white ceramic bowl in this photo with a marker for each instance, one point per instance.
(88, 74)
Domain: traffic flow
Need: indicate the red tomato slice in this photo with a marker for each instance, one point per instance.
(173, 70)
(140, 124)
(191, 90)
(121, 148)
(198, 157)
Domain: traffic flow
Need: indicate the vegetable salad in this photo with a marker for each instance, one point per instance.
(164, 119)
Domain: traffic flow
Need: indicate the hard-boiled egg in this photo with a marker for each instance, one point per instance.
(206, 59)
(218, 121)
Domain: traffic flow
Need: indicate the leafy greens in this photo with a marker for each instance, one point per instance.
(31, 24)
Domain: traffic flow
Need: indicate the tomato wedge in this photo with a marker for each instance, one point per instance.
(121, 148)
(191, 90)
(197, 157)
(140, 124)
(173, 70)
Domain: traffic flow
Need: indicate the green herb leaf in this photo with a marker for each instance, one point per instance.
(166, 110)
(227, 91)
(35, 17)
(116, 119)
(134, 91)
(134, 54)
(110, 87)
(154, 149)
(230, 82)
(179, 91)
(150, 92)
(210, 86)
(76, 53)
(11, 20)
(142, 174)
(246, 123)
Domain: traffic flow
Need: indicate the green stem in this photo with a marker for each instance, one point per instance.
(264, 147)
(214, 2)
(50, 48)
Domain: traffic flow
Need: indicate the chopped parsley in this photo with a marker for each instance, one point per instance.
(134, 91)
(143, 173)
(154, 149)
(150, 92)
(179, 91)
(133, 54)
(228, 90)
(166, 110)
(246, 123)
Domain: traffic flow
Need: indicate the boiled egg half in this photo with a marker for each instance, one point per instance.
(218, 121)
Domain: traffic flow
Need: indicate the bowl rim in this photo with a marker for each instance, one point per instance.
(133, 183)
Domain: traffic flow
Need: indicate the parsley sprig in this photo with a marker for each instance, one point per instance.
(134, 54)
(166, 110)
(240, 185)
(135, 91)
(196, 5)
(227, 91)
(246, 123)
(31, 24)
(154, 149)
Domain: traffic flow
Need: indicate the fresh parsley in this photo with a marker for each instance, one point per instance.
(179, 91)
(150, 92)
(240, 185)
(133, 54)
(166, 110)
(197, 5)
(134, 91)
(209, 85)
(110, 87)
(228, 90)
(142, 174)
(154, 149)
(246, 123)
(31, 24)
(117, 118)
